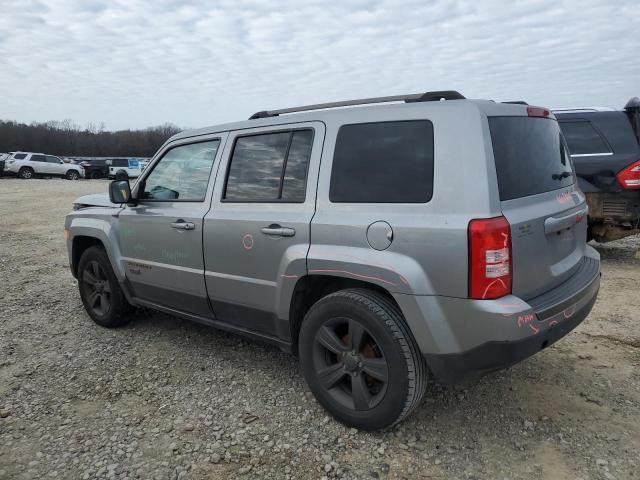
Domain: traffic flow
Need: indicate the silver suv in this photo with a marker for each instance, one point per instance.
(386, 244)
(28, 165)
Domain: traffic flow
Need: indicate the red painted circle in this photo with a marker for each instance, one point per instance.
(247, 241)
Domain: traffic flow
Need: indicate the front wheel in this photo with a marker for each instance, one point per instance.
(99, 289)
(360, 359)
(73, 175)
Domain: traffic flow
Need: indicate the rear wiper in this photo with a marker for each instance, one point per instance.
(560, 176)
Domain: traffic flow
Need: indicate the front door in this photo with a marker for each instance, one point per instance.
(256, 235)
(161, 237)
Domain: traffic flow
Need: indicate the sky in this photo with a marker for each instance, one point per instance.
(133, 64)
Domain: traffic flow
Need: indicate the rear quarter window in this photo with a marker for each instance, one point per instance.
(583, 139)
(530, 156)
(385, 162)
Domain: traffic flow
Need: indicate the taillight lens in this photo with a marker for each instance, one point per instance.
(540, 112)
(629, 177)
(490, 273)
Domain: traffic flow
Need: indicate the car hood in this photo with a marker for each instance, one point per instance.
(95, 200)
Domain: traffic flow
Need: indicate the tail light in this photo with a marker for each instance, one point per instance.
(490, 272)
(540, 112)
(629, 177)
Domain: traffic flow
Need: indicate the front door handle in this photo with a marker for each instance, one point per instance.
(182, 225)
(277, 231)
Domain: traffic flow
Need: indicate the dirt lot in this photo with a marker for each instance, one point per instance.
(164, 398)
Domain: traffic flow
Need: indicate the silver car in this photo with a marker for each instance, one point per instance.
(386, 244)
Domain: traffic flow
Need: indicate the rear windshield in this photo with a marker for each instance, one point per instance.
(530, 155)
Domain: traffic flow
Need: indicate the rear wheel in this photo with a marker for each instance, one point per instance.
(360, 359)
(72, 175)
(26, 173)
(99, 289)
(95, 175)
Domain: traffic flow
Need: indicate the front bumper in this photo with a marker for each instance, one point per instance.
(468, 338)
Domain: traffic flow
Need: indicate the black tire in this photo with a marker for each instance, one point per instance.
(122, 175)
(393, 391)
(72, 175)
(26, 173)
(95, 175)
(99, 289)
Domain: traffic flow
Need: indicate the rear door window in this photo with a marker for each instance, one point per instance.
(530, 156)
(385, 162)
(38, 158)
(269, 167)
(583, 139)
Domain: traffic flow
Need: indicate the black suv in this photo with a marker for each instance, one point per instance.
(95, 168)
(605, 149)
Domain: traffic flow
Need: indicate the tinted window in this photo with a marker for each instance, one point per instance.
(37, 158)
(582, 138)
(388, 162)
(530, 156)
(182, 173)
(51, 159)
(20, 156)
(120, 162)
(295, 172)
(270, 167)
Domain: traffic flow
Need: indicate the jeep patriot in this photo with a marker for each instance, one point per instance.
(384, 241)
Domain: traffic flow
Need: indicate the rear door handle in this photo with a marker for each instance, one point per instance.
(182, 225)
(556, 224)
(278, 231)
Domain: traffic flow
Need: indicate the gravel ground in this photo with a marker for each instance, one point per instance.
(168, 399)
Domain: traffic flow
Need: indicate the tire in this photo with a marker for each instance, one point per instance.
(26, 173)
(99, 290)
(384, 381)
(95, 175)
(72, 175)
(122, 175)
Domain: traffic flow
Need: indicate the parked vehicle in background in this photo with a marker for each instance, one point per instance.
(3, 156)
(404, 253)
(124, 168)
(28, 165)
(95, 168)
(605, 149)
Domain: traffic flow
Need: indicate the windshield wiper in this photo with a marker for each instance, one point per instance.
(560, 176)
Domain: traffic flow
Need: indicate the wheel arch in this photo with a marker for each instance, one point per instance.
(311, 288)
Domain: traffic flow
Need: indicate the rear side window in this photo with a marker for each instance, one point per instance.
(20, 156)
(269, 167)
(530, 156)
(583, 139)
(386, 162)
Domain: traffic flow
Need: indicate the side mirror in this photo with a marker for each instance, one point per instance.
(120, 191)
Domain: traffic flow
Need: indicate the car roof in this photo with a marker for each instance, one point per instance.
(489, 107)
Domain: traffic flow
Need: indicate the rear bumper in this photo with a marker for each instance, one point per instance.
(467, 338)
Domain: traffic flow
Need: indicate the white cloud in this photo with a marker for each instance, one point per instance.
(195, 63)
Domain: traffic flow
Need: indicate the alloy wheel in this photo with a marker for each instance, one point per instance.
(350, 364)
(97, 288)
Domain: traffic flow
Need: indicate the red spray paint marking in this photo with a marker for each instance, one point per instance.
(389, 267)
(525, 319)
(534, 328)
(553, 322)
(289, 276)
(247, 241)
(351, 273)
(568, 313)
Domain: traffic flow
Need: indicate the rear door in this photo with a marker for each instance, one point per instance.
(541, 201)
(256, 236)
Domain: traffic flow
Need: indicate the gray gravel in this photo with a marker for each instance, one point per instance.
(167, 399)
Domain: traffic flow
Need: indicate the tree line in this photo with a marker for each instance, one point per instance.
(65, 138)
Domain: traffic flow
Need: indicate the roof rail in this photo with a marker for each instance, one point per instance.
(517, 102)
(583, 109)
(416, 97)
